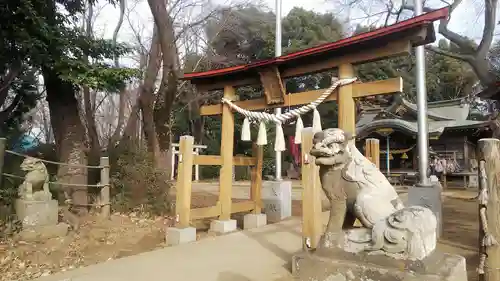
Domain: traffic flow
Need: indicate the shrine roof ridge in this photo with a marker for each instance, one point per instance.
(363, 38)
(442, 115)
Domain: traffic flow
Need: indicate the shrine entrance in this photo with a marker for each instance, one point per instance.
(343, 55)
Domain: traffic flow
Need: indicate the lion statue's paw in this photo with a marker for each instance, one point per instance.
(408, 233)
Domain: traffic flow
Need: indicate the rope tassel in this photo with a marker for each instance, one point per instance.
(299, 126)
(279, 144)
(262, 136)
(245, 130)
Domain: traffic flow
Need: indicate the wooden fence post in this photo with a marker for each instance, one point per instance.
(256, 176)
(3, 144)
(184, 180)
(312, 224)
(105, 200)
(489, 208)
(372, 151)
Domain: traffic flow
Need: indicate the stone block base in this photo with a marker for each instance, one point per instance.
(42, 233)
(176, 236)
(336, 265)
(277, 200)
(221, 227)
(254, 220)
(37, 213)
(430, 197)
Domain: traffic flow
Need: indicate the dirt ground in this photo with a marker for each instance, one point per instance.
(460, 232)
(129, 234)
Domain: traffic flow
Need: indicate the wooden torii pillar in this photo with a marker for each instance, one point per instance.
(392, 41)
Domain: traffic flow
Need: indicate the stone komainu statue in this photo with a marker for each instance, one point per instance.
(36, 180)
(357, 189)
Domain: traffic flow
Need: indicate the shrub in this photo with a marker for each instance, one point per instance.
(137, 184)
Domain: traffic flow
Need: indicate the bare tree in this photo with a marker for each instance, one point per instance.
(476, 55)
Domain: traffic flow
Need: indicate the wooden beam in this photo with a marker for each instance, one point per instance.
(184, 180)
(244, 206)
(400, 47)
(244, 161)
(216, 160)
(226, 148)
(207, 160)
(274, 91)
(217, 85)
(312, 225)
(207, 212)
(382, 87)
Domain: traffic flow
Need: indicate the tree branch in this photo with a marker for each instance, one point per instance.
(490, 11)
(459, 40)
(118, 27)
(121, 104)
(466, 58)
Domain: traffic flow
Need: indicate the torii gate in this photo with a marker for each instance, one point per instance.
(391, 41)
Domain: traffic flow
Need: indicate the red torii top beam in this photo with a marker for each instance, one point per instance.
(367, 40)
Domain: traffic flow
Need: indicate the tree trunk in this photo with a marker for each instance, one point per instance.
(148, 124)
(94, 151)
(146, 95)
(129, 138)
(69, 135)
(168, 87)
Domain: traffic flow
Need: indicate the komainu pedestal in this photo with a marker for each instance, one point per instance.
(395, 242)
(337, 265)
(37, 211)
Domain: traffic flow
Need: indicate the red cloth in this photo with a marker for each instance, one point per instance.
(294, 149)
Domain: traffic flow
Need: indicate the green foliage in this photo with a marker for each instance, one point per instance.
(303, 29)
(39, 34)
(241, 35)
(98, 76)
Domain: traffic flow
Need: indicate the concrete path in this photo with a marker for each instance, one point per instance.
(262, 254)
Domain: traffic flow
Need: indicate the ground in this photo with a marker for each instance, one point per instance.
(461, 230)
(130, 234)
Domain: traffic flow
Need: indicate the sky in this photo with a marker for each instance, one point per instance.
(466, 19)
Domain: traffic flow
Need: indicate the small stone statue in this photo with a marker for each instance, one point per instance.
(357, 189)
(36, 181)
